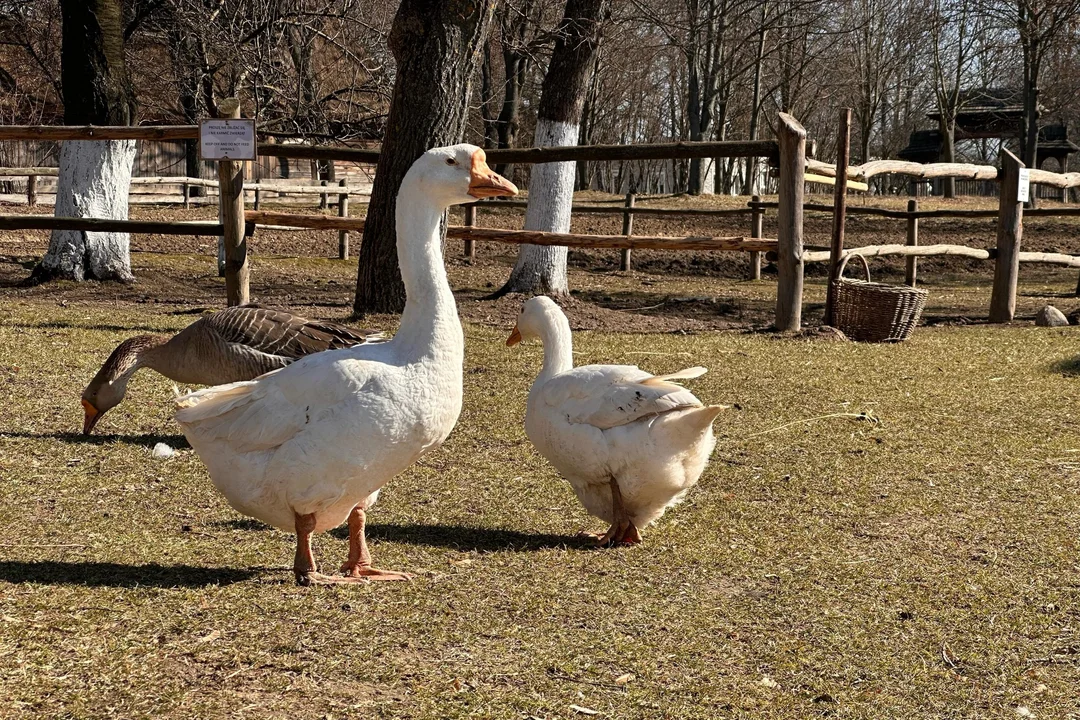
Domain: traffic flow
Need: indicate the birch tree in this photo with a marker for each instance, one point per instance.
(94, 174)
(542, 268)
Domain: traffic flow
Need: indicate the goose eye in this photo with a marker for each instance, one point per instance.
(451, 161)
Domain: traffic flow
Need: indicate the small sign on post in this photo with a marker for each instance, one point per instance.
(1023, 188)
(227, 139)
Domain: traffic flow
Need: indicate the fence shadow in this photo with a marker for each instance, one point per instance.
(98, 574)
(64, 325)
(1069, 367)
(177, 442)
(463, 537)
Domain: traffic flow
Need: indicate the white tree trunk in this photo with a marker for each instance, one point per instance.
(542, 268)
(95, 176)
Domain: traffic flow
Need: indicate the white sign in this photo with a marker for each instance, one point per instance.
(227, 139)
(1023, 188)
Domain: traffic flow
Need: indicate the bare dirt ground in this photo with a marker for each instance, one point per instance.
(666, 291)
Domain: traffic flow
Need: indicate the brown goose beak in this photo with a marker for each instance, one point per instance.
(485, 182)
(91, 418)
(514, 339)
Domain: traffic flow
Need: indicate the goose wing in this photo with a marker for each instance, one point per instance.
(607, 396)
(276, 332)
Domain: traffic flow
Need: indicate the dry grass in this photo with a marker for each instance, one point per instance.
(925, 565)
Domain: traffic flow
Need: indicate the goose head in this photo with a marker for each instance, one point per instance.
(109, 386)
(457, 175)
(538, 313)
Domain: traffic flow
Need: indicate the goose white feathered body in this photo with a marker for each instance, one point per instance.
(596, 423)
(320, 436)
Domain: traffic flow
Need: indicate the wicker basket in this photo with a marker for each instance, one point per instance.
(875, 312)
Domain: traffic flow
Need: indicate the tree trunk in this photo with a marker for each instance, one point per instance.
(436, 44)
(948, 153)
(541, 269)
(93, 182)
(755, 103)
(94, 174)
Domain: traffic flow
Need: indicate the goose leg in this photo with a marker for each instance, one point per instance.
(622, 530)
(304, 565)
(358, 566)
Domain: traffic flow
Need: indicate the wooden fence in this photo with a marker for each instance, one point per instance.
(788, 153)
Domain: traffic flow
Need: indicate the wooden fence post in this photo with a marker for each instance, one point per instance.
(231, 201)
(343, 211)
(470, 221)
(911, 269)
(324, 201)
(1009, 232)
(627, 230)
(756, 218)
(31, 190)
(843, 156)
(186, 189)
(789, 284)
(258, 197)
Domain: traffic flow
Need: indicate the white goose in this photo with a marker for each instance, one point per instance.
(630, 443)
(303, 448)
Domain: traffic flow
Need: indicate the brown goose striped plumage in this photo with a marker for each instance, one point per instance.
(238, 343)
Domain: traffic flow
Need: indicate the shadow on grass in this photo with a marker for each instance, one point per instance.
(98, 574)
(177, 442)
(62, 325)
(1069, 367)
(240, 524)
(460, 537)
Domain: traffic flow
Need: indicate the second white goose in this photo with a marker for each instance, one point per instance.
(631, 444)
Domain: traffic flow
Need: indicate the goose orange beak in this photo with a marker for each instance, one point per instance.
(485, 182)
(514, 339)
(91, 418)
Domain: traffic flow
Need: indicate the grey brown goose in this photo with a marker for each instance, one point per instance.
(238, 343)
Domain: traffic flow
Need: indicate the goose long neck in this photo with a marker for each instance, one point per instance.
(430, 321)
(134, 353)
(558, 347)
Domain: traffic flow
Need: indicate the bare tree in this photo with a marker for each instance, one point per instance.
(540, 268)
(437, 47)
(94, 174)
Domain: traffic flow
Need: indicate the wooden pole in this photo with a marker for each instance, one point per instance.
(1009, 233)
(843, 158)
(343, 212)
(31, 190)
(231, 200)
(911, 269)
(470, 221)
(755, 232)
(258, 198)
(187, 195)
(789, 285)
(627, 230)
(324, 200)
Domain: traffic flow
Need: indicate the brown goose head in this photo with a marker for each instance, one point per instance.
(108, 387)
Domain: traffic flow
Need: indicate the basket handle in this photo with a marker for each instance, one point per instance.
(844, 261)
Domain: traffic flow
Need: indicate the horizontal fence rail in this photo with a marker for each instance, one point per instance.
(99, 132)
(940, 250)
(652, 151)
(48, 222)
(326, 222)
